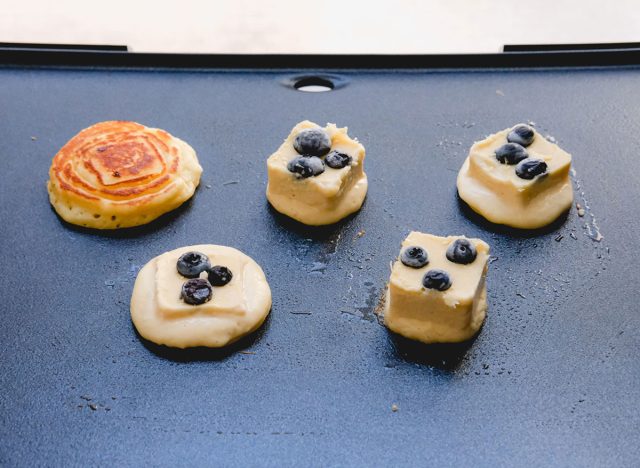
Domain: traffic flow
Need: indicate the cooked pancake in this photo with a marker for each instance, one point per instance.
(120, 174)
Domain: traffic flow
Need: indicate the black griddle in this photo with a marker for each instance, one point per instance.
(552, 378)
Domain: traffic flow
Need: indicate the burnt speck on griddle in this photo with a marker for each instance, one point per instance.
(378, 310)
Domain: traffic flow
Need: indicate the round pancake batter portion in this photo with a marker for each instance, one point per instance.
(120, 174)
(236, 306)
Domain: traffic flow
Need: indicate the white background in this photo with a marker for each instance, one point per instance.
(336, 26)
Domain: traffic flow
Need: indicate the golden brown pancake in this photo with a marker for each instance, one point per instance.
(120, 174)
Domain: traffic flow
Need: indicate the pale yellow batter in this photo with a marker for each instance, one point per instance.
(235, 309)
(433, 316)
(493, 190)
(326, 198)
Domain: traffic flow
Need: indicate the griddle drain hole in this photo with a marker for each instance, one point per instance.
(314, 83)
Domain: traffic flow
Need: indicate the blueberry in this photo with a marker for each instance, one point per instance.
(511, 153)
(305, 167)
(436, 279)
(530, 168)
(414, 257)
(337, 160)
(461, 251)
(191, 264)
(312, 142)
(521, 134)
(196, 291)
(219, 275)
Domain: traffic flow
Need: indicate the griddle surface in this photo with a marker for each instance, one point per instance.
(552, 378)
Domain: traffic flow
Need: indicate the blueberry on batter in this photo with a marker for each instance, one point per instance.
(191, 264)
(511, 153)
(196, 291)
(305, 167)
(436, 279)
(337, 160)
(414, 257)
(219, 275)
(312, 142)
(530, 168)
(461, 251)
(522, 134)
